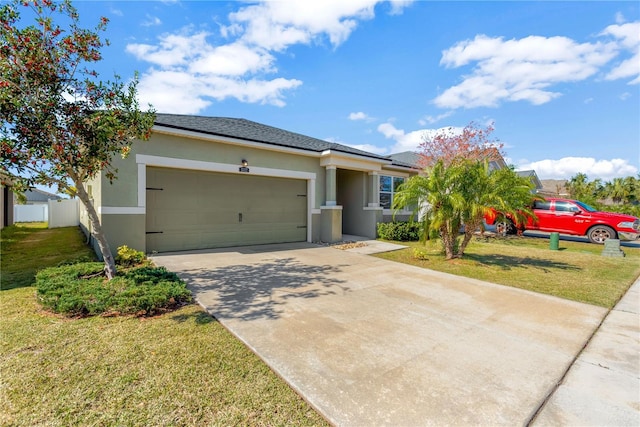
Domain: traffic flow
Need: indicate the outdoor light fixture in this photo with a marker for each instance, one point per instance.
(245, 163)
(244, 168)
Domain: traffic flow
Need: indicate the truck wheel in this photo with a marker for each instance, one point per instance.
(600, 233)
(504, 227)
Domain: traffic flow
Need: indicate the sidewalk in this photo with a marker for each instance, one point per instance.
(603, 385)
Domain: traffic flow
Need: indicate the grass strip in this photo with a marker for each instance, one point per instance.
(577, 271)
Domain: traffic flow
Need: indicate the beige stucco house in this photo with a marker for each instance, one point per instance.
(206, 182)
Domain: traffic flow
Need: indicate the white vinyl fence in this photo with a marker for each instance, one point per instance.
(64, 213)
(30, 213)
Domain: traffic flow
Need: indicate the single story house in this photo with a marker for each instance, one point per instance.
(6, 200)
(206, 182)
(35, 196)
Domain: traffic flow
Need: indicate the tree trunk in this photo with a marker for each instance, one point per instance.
(448, 242)
(96, 231)
(469, 229)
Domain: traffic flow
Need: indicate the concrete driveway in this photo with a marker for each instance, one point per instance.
(372, 342)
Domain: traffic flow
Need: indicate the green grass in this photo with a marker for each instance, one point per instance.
(177, 369)
(577, 271)
(30, 247)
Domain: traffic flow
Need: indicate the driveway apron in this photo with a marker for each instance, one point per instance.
(368, 341)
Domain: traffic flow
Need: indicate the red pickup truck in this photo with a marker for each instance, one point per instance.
(571, 217)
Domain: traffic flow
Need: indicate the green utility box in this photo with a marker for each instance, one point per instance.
(554, 241)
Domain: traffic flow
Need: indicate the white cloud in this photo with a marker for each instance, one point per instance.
(359, 116)
(568, 167)
(628, 35)
(188, 72)
(151, 21)
(411, 141)
(519, 69)
(434, 119)
(181, 92)
(275, 25)
(624, 96)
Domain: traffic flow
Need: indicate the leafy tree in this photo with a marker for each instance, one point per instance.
(59, 124)
(458, 187)
(473, 143)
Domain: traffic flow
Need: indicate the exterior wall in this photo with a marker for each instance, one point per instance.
(6, 206)
(315, 226)
(124, 193)
(124, 230)
(120, 202)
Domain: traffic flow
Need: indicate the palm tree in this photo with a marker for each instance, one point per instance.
(461, 193)
(578, 186)
(617, 190)
(632, 186)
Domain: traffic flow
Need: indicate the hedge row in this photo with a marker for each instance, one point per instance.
(399, 231)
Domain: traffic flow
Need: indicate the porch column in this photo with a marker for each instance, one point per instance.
(330, 186)
(373, 196)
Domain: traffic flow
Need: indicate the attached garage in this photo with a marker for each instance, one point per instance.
(189, 209)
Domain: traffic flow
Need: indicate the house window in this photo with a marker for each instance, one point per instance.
(388, 187)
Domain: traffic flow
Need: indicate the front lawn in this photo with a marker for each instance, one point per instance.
(577, 271)
(180, 368)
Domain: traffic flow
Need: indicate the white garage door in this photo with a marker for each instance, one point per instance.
(195, 210)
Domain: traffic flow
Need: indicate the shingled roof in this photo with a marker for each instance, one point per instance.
(257, 132)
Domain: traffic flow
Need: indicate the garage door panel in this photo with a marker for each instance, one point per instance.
(195, 210)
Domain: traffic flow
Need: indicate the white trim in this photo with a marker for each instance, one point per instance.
(142, 185)
(316, 211)
(172, 162)
(311, 201)
(372, 208)
(121, 210)
(331, 207)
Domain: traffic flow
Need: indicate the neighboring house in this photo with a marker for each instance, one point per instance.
(533, 177)
(554, 188)
(6, 201)
(206, 182)
(35, 196)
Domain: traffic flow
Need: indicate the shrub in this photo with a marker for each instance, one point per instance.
(400, 231)
(420, 254)
(82, 290)
(128, 257)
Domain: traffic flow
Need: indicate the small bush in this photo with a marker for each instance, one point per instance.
(82, 290)
(399, 231)
(128, 257)
(420, 254)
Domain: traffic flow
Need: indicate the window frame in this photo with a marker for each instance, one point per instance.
(395, 182)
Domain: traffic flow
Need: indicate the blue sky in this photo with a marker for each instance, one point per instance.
(560, 80)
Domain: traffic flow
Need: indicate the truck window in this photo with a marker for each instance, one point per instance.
(566, 207)
(542, 205)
